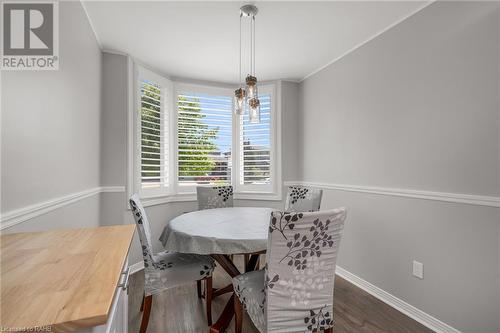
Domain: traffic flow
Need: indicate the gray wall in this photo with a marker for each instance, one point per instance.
(114, 136)
(50, 127)
(416, 108)
(290, 139)
(114, 120)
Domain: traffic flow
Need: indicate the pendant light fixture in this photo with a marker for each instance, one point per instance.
(248, 97)
(239, 94)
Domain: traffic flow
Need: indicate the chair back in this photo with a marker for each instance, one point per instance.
(143, 229)
(303, 199)
(214, 197)
(300, 273)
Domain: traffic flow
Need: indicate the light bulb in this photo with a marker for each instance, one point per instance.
(239, 101)
(250, 91)
(254, 110)
(251, 88)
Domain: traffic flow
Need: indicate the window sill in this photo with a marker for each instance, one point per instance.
(257, 196)
(191, 197)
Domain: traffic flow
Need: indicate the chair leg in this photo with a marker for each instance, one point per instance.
(330, 330)
(246, 259)
(238, 315)
(148, 300)
(198, 287)
(208, 298)
(142, 303)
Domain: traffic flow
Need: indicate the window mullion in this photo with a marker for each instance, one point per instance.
(235, 174)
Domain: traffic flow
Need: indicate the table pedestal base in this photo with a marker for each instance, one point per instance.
(227, 264)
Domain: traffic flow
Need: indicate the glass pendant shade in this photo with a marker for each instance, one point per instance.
(239, 101)
(251, 88)
(251, 91)
(254, 110)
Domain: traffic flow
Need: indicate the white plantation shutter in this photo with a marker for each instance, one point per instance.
(204, 138)
(189, 136)
(153, 133)
(256, 150)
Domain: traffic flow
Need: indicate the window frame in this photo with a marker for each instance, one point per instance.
(180, 87)
(141, 73)
(266, 191)
(173, 192)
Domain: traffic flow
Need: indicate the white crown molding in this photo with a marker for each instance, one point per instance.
(82, 3)
(396, 303)
(115, 52)
(17, 216)
(404, 18)
(469, 199)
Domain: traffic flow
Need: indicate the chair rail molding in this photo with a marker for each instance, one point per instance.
(24, 214)
(469, 199)
(422, 317)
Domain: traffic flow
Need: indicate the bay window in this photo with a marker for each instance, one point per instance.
(187, 135)
(152, 134)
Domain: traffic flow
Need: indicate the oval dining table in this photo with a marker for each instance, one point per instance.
(220, 233)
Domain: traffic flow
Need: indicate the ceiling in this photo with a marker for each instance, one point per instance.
(199, 40)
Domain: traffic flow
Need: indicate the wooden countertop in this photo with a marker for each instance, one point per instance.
(65, 279)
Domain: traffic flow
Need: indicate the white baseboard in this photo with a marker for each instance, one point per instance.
(396, 303)
(17, 216)
(469, 199)
(136, 267)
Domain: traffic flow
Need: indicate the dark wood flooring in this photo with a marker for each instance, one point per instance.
(179, 310)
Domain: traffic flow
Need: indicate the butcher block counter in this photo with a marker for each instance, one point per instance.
(64, 280)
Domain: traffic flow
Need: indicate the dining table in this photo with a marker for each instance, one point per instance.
(221, 233)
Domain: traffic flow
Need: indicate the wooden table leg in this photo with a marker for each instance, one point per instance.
(222, 291)
(252, 263)
(227, 264)
(228, 312)
(225, 318)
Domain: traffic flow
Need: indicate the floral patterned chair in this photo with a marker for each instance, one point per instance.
(303, 199)
(294, 293)
(167, 269)
(214, 197)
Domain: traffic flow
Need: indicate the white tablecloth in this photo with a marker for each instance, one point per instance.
(218, 231)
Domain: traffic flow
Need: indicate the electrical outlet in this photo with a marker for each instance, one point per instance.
(418, 269)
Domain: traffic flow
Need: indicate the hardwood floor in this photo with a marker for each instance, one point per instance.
(179, 310)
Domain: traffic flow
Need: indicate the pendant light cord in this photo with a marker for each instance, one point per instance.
(239, 73)
(253, 46)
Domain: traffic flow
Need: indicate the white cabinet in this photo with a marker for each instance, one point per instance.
(118, 315)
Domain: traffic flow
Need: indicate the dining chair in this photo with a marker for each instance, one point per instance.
(303, 199)
(165, 270)
(210, 197)
(294, 293)
(214, 197)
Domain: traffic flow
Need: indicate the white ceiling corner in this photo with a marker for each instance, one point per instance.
(199, 40)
